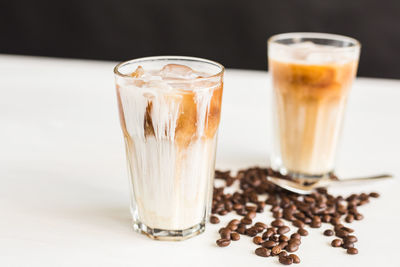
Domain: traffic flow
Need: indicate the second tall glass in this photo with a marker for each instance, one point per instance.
(311, 74)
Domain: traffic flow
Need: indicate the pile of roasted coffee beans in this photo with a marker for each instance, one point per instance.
(300, 210)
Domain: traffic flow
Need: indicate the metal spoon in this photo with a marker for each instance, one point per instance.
(306, 187)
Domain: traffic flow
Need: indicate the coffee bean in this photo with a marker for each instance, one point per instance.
(352, 251)
(277, 223)
(246, 221)
(276, 250)
(223, 242)
(335, 221)
(285, 260)
(349, 218)
(257, 240)
(233, 227)
(295, 241)
(347, 245)
(358, 216)
(347, 229)
(292, 247)
(251, 214)
(283, 244)
(269, 244)
(283, 238)
(374, 195)
(295, 236)
(241, 230)
(295, 258)
(328, 232)
(342, 233)
(235, 236)
(214, 219)
(225, 233)
(298, 223)
(275, 208)
(263, 252)
(283, 254)
(283, 230)
(234, 222)
(274, 238)
(270, 232)
(277, 214)
(251, 208)
(326, 218)
(302, 232)
(350, 238)
(237, 206)
(336, 243)
(260, 224)
(223, 212)
(251, 232)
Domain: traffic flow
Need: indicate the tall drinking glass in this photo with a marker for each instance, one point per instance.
(169, 110)
(311, 75)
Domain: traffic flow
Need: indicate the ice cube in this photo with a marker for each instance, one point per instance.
(177, 71)
(319, 57)
(138, 72)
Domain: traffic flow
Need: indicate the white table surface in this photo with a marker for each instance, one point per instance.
(64, 188)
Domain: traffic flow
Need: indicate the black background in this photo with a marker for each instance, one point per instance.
(231, 32)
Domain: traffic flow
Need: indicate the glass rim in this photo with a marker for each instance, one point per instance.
(166, 58)
(316, 35)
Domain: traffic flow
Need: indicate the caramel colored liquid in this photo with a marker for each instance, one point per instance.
(309, 105)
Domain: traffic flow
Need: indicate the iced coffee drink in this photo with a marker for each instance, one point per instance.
(311, 74)
(169, 111)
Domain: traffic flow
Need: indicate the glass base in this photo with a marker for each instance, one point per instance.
(169, 235)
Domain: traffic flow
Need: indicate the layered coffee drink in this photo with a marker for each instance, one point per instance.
(311, 76)
(169, 115)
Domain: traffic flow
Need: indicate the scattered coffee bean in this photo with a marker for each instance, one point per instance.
(347, 245)
(276, 250)
(302, 232)
(283, 238)
(352, 251)
(298, 223)
(351, 238)
(283, 254)
(358, 216)
(246, 221)
(269, 244)
(277, 223)
(292, 247)
(283, 230)
(311, 210)
(223, 242)
(235, 236)
(336, 243)
(342, 233)
(285, 260)
(263, 252)
(295, 258)
(260, 224)
(268, 234)
(214, 219)
(257, 240)
(295, 236)
(328, 232)
(374, 195)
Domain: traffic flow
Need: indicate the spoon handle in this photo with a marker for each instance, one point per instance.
(368, 178)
